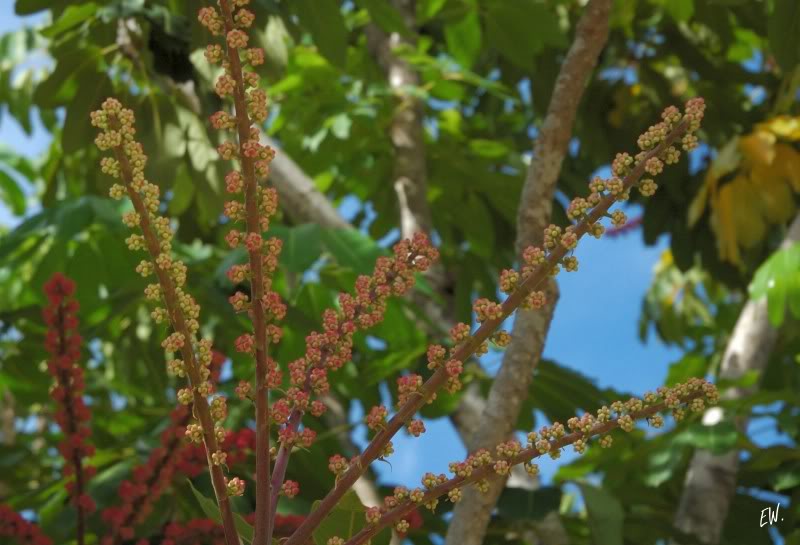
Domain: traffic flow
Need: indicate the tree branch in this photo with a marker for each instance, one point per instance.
(711, 479)
(298, 195)
(480, 470)
(471, 516)
(465, 349)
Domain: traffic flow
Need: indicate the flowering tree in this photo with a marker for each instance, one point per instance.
(248, 439)
(285, 394)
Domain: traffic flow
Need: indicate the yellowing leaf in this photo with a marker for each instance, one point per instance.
(724, 224)
(784, 126)
(778, 201)
(727, 161)
(789, 161)
(665, 261)
(746, 209)
(758, 147)
(774, 185)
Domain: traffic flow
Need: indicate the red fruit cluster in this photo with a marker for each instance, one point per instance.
(150, 480)
(13, 526)
(198, 531)
(236, 445)
(72, 415)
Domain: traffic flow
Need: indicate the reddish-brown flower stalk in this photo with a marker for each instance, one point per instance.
(19, 530)
(332, 348)
(656, 146)
(63, 343)
(259, 204)
(480, 466)
(117, 134)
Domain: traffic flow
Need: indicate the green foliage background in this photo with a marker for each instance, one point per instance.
(487, 70)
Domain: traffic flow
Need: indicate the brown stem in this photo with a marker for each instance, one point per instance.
(397, 513)
(465, 350)
(243, 124)
(201, 408)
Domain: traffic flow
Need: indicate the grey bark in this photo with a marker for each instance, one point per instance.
(711, 479)
(471, 515)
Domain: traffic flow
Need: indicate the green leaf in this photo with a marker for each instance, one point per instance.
(345, 520)
(427, 9)
(786, 478)
(182, 191)
(719, 438)
(520, 29)
(301, 245)
(211, 509)
(27, 7)
(680, 10)
(521, 504)
(690, 365)
(198, 146)
(475, 221)
(17, 162)
(386, 16)
(340, 125)
(352, 249)
(783, 27)
(323, 19)
(174, 140)
(72, 16)
(606, 515)
(378, 369)
(11, 193)
(779, 279)
(78, 132)
(464, 39)
(491, 149)
(313, 299)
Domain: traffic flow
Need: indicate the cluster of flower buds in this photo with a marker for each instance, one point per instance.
(19, 530)
(537, 264)
(332, 348)
(118, 134)
(236, 446)
(481, 465)
(72, 416)
(128, 164)
(657, 148)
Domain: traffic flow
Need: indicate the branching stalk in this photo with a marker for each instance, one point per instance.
(465, 350)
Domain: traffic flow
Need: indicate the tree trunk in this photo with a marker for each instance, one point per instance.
(472, 514)
(711, 479)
